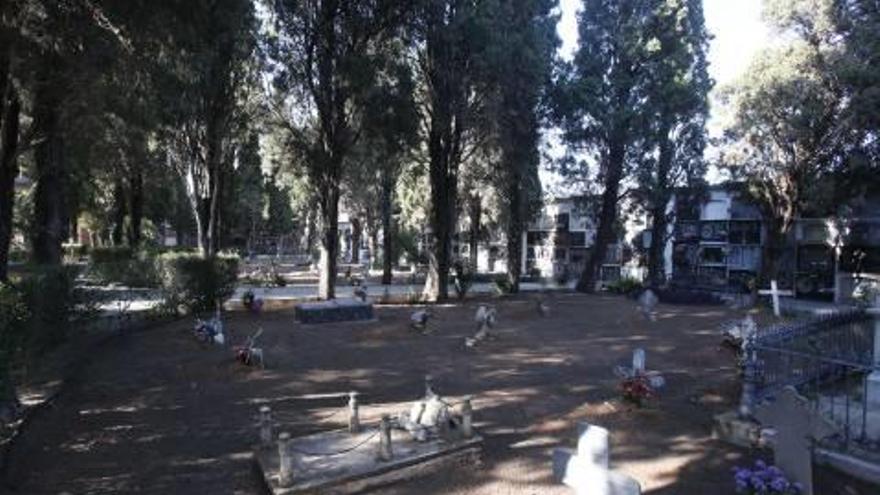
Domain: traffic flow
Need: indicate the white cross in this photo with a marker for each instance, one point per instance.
(774, 292)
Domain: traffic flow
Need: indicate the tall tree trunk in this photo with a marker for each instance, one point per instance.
(136, 207)
(50, 195)
(9, 127)
(329, 205)
(590, 277)
(119, 211)
(357, 231)
(475, 210)
(387, 231)
(659, 219)
(515, 224)
(443, 193)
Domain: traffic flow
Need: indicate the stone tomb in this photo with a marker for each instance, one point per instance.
(334, 311)
(361, 468)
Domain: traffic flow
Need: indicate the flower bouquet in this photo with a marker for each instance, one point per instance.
(764, 479)
(637, 389)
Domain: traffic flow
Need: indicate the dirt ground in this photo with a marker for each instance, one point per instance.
(155, 412)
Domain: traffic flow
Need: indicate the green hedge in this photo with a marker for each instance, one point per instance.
(122, 265)
(196, 283)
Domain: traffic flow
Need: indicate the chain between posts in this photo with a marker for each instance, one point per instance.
(343, 451)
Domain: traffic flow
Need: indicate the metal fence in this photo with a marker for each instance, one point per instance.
(828, 360)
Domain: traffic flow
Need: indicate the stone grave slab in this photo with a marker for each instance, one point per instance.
(334, 311)
(360, 469)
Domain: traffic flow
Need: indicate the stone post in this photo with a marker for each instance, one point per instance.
(750, 377)
(265, 426)
(429, 390)
(467, 414)
(285, 460)
(873, 379)
(354, 424)
(385, 452)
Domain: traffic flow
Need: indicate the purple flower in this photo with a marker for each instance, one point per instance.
(760, 464)
(779, 484)
(758, 484)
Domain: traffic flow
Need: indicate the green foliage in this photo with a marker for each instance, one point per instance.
(122, 265)
(14, 315)
(462, 279)
(625, 286)
(197, 283)
(503, 286)
(53, 304)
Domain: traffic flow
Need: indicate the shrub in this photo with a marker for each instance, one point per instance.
(503, 286)
(49, 293)
(121, 265)
(462, 279)
(678, 295)
(13, 317)
(195, 282)
(625, 286)
(114, 254)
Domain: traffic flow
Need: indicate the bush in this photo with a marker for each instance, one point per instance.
(678, 295)
(195, 282)
(111, 254)
(13, 318)
(53, 303)
(625, 286)
(121, 265)
(462, 279)
(503, 286)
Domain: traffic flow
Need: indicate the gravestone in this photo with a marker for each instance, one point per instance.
(638, 361)
(796, 426)
(873, 380)
(485, 318)
(648, 303)
(655, 378)
(586, 469)
(774, 294)
(419, 319)
(737, 333)
(334, 311)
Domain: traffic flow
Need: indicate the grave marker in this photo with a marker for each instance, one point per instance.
(797, 426)
(774, 293)
(648, 303)
(587, 470)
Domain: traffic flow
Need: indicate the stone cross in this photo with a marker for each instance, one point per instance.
(796, 427)
(774, 293)
(647, 303)
(638, 367)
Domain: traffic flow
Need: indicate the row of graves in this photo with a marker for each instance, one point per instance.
(810, 394)
(432, 434)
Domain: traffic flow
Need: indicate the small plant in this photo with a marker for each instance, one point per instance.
(625, 286)
(250, 301)
(764, 479)
(503, 286)
(462, 279)
(637, 389)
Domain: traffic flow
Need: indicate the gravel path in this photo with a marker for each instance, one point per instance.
(157, 413)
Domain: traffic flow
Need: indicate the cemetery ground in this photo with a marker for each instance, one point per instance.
(157, 412)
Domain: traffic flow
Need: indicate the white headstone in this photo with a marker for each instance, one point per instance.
(638, 361)
(647, 303)
(796, 427)
(593, 444)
